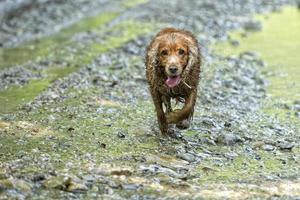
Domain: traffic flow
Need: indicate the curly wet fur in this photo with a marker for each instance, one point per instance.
(186, 89)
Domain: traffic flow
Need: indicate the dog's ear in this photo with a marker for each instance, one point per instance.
(193, 54)
(153, 53)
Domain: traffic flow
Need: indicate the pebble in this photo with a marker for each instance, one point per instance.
(76, 187)
(130, 186)
(285, 145)
(6, 184)
(22, 186)
(121, 135)
(57, 182)
(107, 170)
(229, 139)
(268, 147)
(3, 173)
(186, 156)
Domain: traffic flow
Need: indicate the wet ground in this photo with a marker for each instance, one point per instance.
(77, 120)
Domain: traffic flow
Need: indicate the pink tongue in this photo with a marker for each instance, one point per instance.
(173, 81)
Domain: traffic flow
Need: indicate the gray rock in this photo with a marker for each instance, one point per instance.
(268, 147)
(130, 186)
(229, 139)
(283, 145)
(22, 186)
(76, 187)
(57, 182)
(186, 156)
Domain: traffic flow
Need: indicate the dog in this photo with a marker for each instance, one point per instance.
(173, 61)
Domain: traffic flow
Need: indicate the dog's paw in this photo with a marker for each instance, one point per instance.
(184, 124)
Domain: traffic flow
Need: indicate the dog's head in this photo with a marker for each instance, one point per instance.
(173, 53)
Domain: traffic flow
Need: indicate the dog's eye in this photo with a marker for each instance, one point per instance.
(164, 52)
(181, 51)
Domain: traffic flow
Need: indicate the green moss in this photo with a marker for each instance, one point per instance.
(243, 168)
(279, 45)
(13, 97)
(125, 31)
(41, 48)
(122, 33)
(89, 133)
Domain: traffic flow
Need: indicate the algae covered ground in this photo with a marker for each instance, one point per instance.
(77, 120)
(278, 45)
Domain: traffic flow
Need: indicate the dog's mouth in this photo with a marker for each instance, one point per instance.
(172, 81)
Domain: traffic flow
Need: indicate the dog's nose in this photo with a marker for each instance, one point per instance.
(173, 70)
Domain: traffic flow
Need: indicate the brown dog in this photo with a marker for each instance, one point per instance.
(172, 68)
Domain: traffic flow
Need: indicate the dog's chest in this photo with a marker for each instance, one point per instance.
(177, 91)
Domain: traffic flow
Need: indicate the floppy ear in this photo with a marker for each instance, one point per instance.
(153, 53)
(193, 55)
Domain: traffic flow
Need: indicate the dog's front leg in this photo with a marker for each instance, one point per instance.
(161, 118)
(184, 113)
(167, 103)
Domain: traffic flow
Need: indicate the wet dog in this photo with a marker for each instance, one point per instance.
(172, 68)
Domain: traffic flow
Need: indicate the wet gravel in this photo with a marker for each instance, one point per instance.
(17, 76)
(227, 113)
(24, 20)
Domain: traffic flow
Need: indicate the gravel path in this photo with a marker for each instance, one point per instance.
(92, 133)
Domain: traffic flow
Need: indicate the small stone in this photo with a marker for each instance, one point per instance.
(6, 184)
(51, 118)
(229, 139)
(121, 134)
(227, 124)
(38, 177)
(130, 186)
(296, 107)
(76, 187)
(157, 169)
(231, 155)
(258, 144)
(121, 171)
(4, 125)
(186, 156)
(107, 170)
(174, 133)
(57, 182)
(102, 145)
(3, 173)
(285, 145)
(208, 169)
(209, 122)
(268, 147)
(22, 185)
(52, 95)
